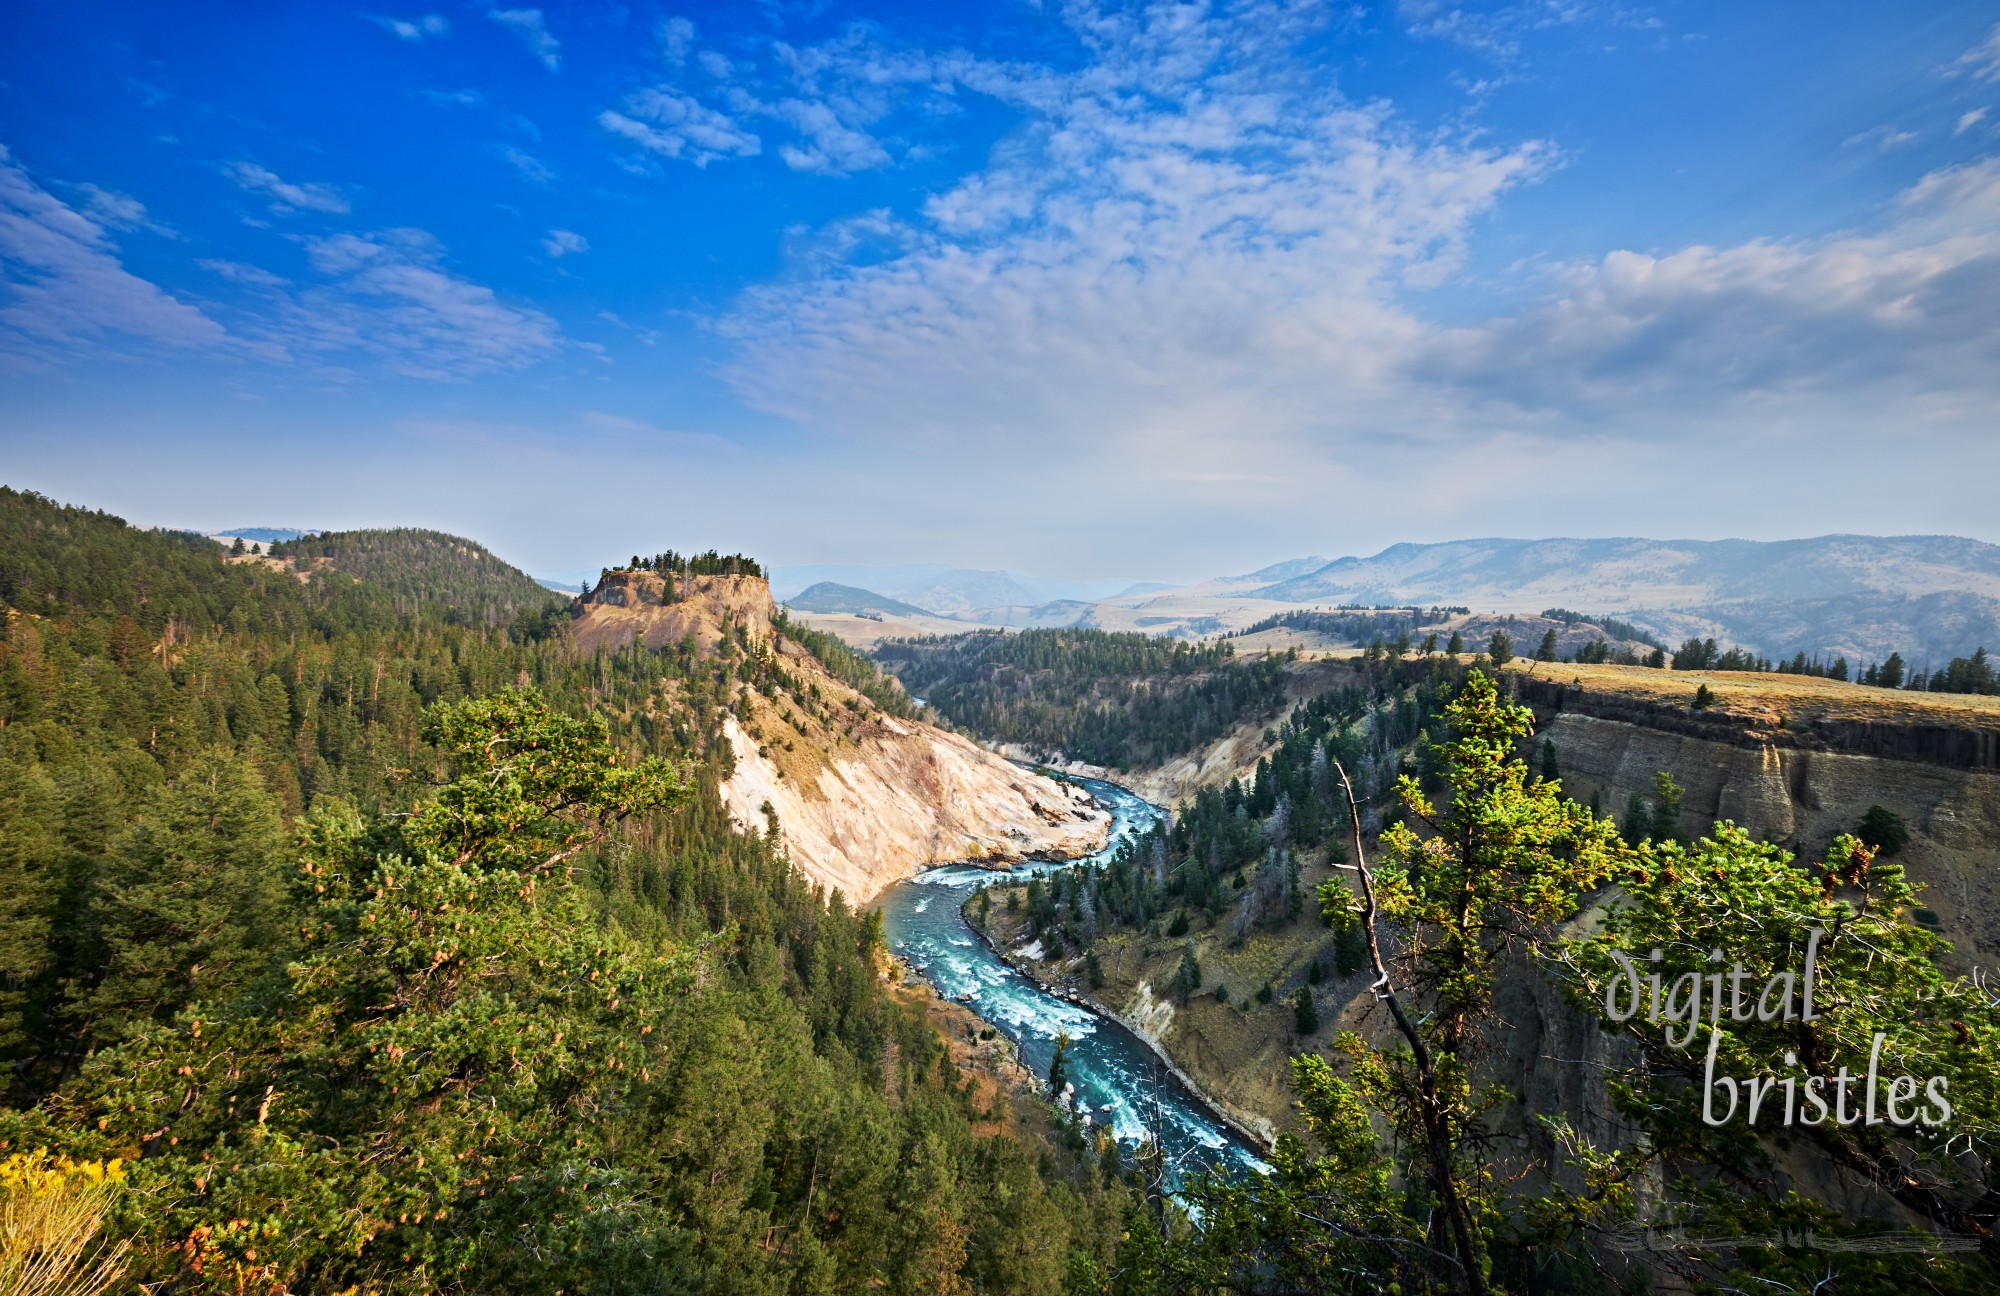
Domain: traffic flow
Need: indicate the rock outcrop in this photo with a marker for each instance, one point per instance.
(903, 797)
(1803, 786)
(629, 604)
(860, 798)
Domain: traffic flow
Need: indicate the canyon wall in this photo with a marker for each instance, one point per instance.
(860, 798)
(1802, 785)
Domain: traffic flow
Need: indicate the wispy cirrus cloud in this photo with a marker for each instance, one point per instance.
(389, 297)
(525, 164)
(675, 125)
(532, 30)
(1982, 60)
(1883, 138)
(109, 207)
(824, 101)
(66, 289)
(238, 272)
(1898, 318)
(467, 98)
(1498, 30)
(284, 196)
(1192, 272)
(561, 243)
(414, 30)
(1184, 239)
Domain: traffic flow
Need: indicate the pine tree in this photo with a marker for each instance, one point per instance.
(1546, 650)
(190, 904)
(1494, 867)
(1305, 1015)
(1883, 831)
(1059, 1066)
(1187, 979)
(1666, 818)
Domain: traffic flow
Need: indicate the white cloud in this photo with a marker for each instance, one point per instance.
(414, 30)
(1884, 138)
(284, 196)
(64, 288)
(562, 243)
(677, 125)
(108, 207)
(1983, 59)
(533, 32)
(1194, 281)
(1498, 30)
(1968, 120)
(1183, 242)
(455, 98)
(677, 38)
(831, 97)
(1900, 319)
(389, 297)
(239, 273)
(832, 147)
(530, 167)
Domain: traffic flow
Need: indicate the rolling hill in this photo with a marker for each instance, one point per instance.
(1928, 597)
(829, 596)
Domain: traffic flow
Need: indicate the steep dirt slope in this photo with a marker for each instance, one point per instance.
(861, 798)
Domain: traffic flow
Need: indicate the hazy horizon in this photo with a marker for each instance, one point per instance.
(1090, 291)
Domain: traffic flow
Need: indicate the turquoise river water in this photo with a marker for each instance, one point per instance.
(1116, 1075)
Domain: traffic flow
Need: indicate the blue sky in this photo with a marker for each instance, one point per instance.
(1091, 290)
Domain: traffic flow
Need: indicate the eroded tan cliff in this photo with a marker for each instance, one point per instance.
(860, 798)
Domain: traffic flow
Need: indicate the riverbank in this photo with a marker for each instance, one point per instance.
(1119, 1078)
(992, 1062)
(1253, 1129)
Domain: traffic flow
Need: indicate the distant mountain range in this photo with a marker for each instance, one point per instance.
(944, 590)
(1649, 573)
(829, 596)
(1930, 598)
(263, 535)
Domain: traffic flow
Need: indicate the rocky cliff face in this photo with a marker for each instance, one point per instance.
(861, 799)
(900, 797)
(1803, 785)
(629, 604)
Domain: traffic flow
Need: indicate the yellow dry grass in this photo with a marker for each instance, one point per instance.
(51, 1218)
(1764, 698)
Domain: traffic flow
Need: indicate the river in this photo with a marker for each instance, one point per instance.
(1116, 1075)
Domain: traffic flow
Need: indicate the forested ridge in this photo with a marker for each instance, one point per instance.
(352, 946)
(1229, 856)
(394, 951)
(1116, 699)
(447, 577)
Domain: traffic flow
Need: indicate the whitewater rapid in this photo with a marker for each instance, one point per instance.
(1118, 1079)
